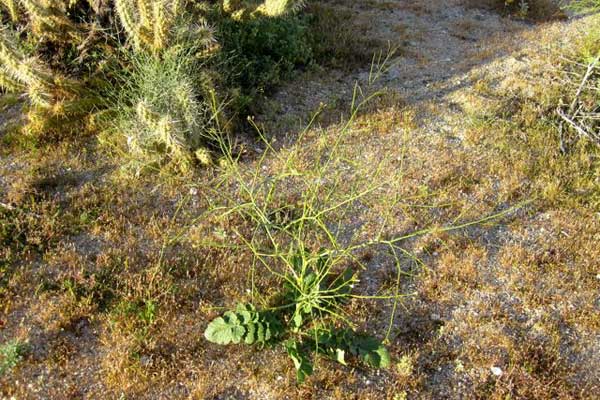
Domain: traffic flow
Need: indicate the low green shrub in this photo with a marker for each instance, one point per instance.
(257, 54)
(336, 41)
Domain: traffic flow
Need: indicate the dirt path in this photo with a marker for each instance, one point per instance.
(443, 48)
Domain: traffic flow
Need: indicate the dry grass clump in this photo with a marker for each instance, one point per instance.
(541, 10)
(525, 128)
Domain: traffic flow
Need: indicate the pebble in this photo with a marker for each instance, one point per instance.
(435, 317)
(145, 361)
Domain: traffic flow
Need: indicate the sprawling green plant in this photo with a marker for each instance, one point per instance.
(297, 325)
(304, 269)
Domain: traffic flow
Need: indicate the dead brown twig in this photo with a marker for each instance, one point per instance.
(7, 206)
(570, 116)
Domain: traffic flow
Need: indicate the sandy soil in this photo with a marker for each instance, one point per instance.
(444, 49)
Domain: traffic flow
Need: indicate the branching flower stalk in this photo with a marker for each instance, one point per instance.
(292, 228)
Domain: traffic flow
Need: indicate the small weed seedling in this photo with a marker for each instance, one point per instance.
(11, 354)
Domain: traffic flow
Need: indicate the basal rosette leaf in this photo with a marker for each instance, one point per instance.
(370, 351)
(244, 324)
(224, 330)
(336, 344)
(302, 364)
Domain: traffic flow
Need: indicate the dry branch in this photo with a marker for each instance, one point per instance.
(576, 109)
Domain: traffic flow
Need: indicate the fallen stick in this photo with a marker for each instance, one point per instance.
(7, 206)
(588, 73)
(581, 130)
(572, 113)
